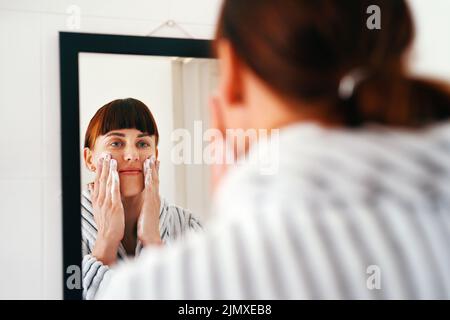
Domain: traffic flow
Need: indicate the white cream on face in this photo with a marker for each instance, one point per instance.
(129, 148)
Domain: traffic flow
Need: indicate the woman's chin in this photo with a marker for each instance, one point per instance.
(131, 191)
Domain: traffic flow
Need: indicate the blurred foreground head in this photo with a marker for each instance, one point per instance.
(303, 50)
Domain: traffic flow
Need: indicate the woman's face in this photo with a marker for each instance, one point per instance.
(130, 148)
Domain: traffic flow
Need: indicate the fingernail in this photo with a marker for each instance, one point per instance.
(113, 164)
(106, 156)
(146, 165)
(152, 159)
(113, 184)
(147, 178)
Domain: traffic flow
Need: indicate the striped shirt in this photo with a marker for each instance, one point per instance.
(174, 223)
(348, 214)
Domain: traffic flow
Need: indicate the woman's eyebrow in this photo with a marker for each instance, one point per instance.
(115, 134)
(143, 135)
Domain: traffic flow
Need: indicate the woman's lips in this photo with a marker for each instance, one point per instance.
(130, 172)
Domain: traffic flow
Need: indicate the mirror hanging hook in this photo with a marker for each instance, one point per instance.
(172, 25)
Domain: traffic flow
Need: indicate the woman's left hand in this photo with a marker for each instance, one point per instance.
(148, 222)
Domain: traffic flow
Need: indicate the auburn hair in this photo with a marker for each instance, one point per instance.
(121, 114)
(302, 49)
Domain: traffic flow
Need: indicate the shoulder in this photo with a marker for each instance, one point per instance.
(172, 209)
(177, 218)
(187, 261)
(86, 196)
(86, 204)
(88, 226)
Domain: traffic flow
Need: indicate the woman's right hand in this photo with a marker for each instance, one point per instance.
(219, 167)
(108, 211)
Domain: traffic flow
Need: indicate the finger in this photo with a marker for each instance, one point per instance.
(146, 165)
(108, 192)
(99, 169)
(218, 122)
(216, 114)
(157, 169)
(147, 174)
(115, 186)
(154, 171)
(97, 177)
(104, 177)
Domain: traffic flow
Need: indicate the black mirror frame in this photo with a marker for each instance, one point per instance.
(70, 45)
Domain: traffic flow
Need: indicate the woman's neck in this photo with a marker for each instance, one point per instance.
(132, 208)
(269, 110)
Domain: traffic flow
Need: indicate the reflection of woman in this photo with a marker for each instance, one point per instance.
(122, 210)
(353, 210)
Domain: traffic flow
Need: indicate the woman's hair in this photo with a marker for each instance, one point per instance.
(302, 49)
(121, 114)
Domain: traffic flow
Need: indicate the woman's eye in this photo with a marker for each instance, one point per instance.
(143, 144)
(115, 144)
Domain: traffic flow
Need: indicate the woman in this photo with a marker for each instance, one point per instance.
(122, 211)
(359, 206)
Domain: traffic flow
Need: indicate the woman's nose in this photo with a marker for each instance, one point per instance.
(131, 154)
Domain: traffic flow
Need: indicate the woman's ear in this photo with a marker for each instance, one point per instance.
(89, 159)
(231, 84)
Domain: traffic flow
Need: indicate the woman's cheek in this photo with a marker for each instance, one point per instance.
(101, 153)
(146, 154)
(115, 154)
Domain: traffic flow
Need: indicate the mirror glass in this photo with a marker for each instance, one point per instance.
(176, 91)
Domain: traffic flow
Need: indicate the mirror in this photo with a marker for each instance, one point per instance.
(107, 84)
(176, 91)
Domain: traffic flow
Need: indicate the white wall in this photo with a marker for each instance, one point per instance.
(199, 79)
(30, 175)
(431, 53)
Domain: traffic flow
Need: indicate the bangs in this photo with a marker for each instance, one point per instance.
(121, 114)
